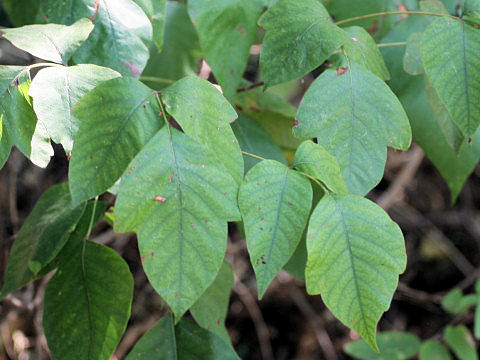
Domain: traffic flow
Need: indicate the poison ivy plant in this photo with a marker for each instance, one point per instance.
(119, 91)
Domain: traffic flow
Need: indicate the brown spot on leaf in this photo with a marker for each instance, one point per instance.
(152, 253)
(159, 198)
(132, 67)
(342, 70)
(142, 258)
(296, 123)
(240, 29)
(354, 39)
(171, 177)
(176, 295)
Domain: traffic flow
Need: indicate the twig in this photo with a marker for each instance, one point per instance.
(251, 86)
(263, 333)
(396, 190)
(132, 335)
(313, 319)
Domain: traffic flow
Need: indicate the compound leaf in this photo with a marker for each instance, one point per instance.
(52, 42)
(42, 236)
(178, 198)
(275, 202)
(355, 254)
(210, 310)
(226, 29)
(180, 342)
(449, 51)
(314, 160)
(295, 45)
(87, 302)
(355, 116)
(125, 116)
(56, 90)
(205, 115)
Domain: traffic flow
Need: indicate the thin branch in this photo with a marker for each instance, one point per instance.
(263, 333)
(251, 86)
(396, 190)
(157, 79)
(313, 319)
(387, 13)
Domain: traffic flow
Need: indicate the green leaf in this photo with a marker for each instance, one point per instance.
(56, 90)
(314, 160)
(21, 13)
(476, 321)
(362, 49)
(178, 198)
(255, 140)
(433, 350)
(355, 254)
(275, 202)
(449, 53)
(227, 29)
(452, 134)
(24, 131)
(52, 42)
(205, 115)
(355, 116)
(210, 310)
(87, 303)
(411, 91)
(273, 113)
(378, 26)
(460, 341)
(412, 61)
(454, 302)
(5, 143)
(434, 6)
(295, 45)
(180, 343)
(155, 10)
(42, 236)
(181, 51)
(100, 158)
(392, 345)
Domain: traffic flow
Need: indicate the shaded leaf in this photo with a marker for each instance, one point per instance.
(99, 158)
(456, 303)
(41, 237)
(227, 30)
(205, 115)
(433, 350)
(461, 342)
(273, 113)
(392, 345)
(5, 143)
(451, 131)
(275, 203)
(210, 310)
(295, 45)
(178, 198)
(355, 116)
(24, 131)
(454, 168)
(412, 61)
(155, 10)
(314, 160)
(21, 13)
(56, 90)
(355, 254)
(449, 53)
(181, 51)
(87, 302)
(363, 49)
(180, 343)
(52, 42)
(255, 140)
